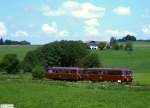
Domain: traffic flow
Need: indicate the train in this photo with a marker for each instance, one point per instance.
(89, 74)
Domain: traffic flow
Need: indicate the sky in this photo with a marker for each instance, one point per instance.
(43, 21)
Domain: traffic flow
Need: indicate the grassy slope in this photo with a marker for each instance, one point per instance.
(138, 60)
(17, 49)
(35, 94)
(25, 94)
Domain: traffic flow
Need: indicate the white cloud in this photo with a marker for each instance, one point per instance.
(92, 31)
(92, 22)
(91, 14)
(51, 29)
(71, 5)
(63, 33)
(146, 30)
(3, 30)
(91, 27)
(119, 33)
(75, 9)
(122, 10)
(21, 33)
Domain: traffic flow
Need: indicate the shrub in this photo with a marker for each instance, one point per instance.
(91, 60)
(58, 53)
(128, 46)
(121, 46)
(102, 45)
(38, 72)
(31, 59)
(10, 63)
(115, 46)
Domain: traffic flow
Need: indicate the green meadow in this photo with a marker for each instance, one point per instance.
(20, 50)
(24, 92)
(61, 94)
(138, 60)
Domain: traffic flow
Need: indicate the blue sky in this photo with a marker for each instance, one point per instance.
(42, 21)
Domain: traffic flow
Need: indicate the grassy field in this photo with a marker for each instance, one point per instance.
(20, 50)
(60, 94)
(24, 92)
(138, 60)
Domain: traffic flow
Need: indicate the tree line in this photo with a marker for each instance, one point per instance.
(11, 42)
(118, 44)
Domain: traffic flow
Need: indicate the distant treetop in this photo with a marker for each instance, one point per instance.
(12, 42)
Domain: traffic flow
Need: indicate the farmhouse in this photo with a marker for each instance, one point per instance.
(93, 45)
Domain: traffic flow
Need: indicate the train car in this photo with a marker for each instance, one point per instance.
(92, 74)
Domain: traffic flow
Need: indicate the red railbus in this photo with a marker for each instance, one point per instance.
(92, 74)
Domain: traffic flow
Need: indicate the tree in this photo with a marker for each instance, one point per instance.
(24, 43)
(1, 41)
(129, 38)
(128, 46)
(38, 72)
(58, 53)
(10, 63)
(121, 46)
(91, 60)
(11, 42)
(102, 45)
(114, 43)
(32, 59)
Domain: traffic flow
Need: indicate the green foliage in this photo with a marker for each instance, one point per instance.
(38, 72)
(102, 45)
(115, 46)
(91, 60)
(129, 38)
(11, 42)
(128, 46)
(58, 53)
(32, 59)
(121, 46)
(10, 63)
(114, 43)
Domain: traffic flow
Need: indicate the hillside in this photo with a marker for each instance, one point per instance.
(138, 60)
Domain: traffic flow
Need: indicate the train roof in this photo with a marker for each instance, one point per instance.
(80, 68)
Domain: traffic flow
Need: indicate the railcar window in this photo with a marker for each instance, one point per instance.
(50, 71)
(80, 71)
(73, 71)
(103, 73)
(128, 73)
(114, 73)
(64, 71)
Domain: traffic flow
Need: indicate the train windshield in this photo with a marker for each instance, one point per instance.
(128, 73)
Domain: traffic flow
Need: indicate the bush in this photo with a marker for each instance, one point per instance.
(102, 45)
(10, 63)
(128, 46)
(32, 59)
(38, 72)
(121, 46)
(58, 53)
(91, 60)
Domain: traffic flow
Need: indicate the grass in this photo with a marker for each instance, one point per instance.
(20, 50)
(24, 92)
(41, 94)
(138, 60)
